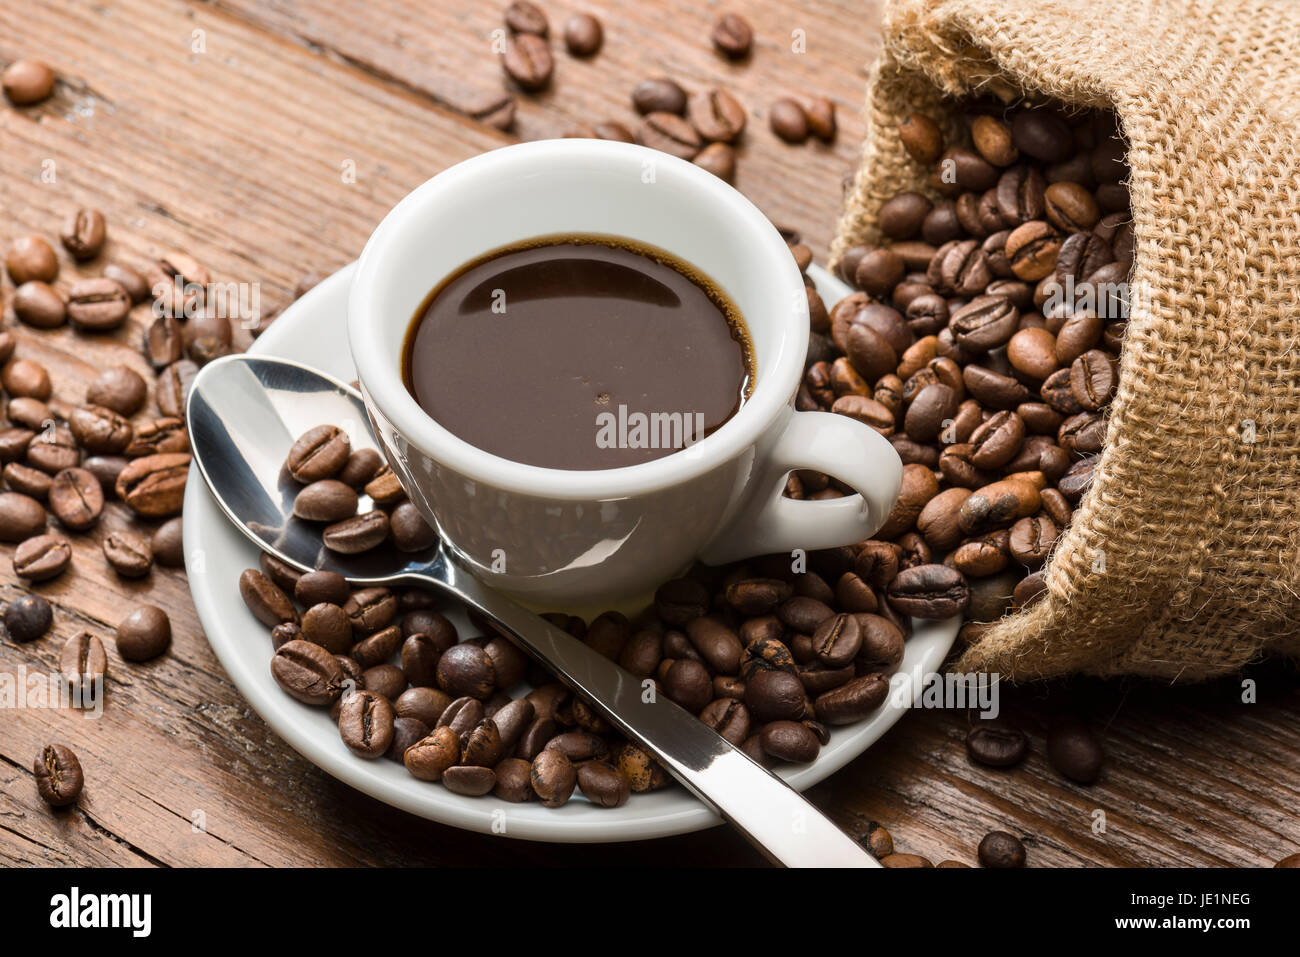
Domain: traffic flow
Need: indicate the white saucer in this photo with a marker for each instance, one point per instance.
(312, 330)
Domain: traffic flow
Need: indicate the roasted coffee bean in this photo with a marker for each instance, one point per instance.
(387, 680)
(32, 413)
(164, 343)
(82, 663)
(854, 595)
(837, 640)
(1042, 134)
(992, 138)
(789, 741)
(145, 633)
(425, 621)
(370, 609)
(207, 337)
(28, 481)
(42, 557)
(729, 717)
(429, 759)
(1031, 250)
(21, 517)
(732, 36)
(129, 554)
(409, 531)
(717, 644)
(960, 268)
(424, 704)
(720, 160)
(996, 745)
(354, 535)
(1093, 379)
(553, 777)
(462, 716)
(377, 648)
(172, 390)
(882, 645)
(53, 450)
(318, 454)
(579, 745)
(120, 389)
(76, 498)
(321, 586)
(1070, 207)
(157, 436)
(1082, 434)
(59, 778)
(821, 119)
(23, 377)
(286, 576)
(902, 215)
(31, 259)
(466, 670)
(687, 682)
(326, 500)
(763, 654)
(39, 305)
(265, 599)
(879, 271)
(285, 632)
(525, 17)
(1080, 333)
(921, 137)
(1058, 394)
(929, 591)
(366, 723)
(754, 597)
(1074, 751)
(997, 440)
(979, 557)
(100, 430)
(659, 95)
(933, 406)
(1077, 480)
(27, 618)
(717, 115)
(681, 600)
(1000, 849)
(1032, 352)
(803, 614)
(1032, 540)
(169, 544)
(83, 233)
(513, 780)
(1002, 503)
(788, 120)
(852, 701)
(774, 695)
(602, 785)
(406, 733)
(97, 304)
(870, 352)
(136, 286)
(1028, 590)
(583, 35)
(528, 61)
(1020, 195)
(669, 133)
(384, 489)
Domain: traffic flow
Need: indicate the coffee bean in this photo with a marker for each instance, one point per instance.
(366, 723)
(717, 116)
(358, 534)
(1041, 134)
(370, 609)
(429, 759)
(513, 782)
(164, 342)
(406, 732)
(716, 643)
(97, 304)
(409, 530)
(921, 137)
(136, 286)
(789, 120)
(321, 586)
(42, 557)
(528, 61)
(28, 481)
(1074, 751)
(384, 489)
(789, 741)
(424, 704)
(120, 389)
(583, 35)
(996, 745)
(659, 95)
(145, 633)
(327, 500)
(1031, 250)
(821, 119)
(207, 337)
(732, 36)
(525, 17)
(53, 450)
(130, 555)
(377, 648)
(100, 430)
(466, 670)
(21, 517)
(27, 618)
(1093, 379)
(360, 468)
(59, 779)
(307, 672)
(172, 390)
(27, 82)
(1000, 849)
(82, 663)
(882, 645)
(1002, 503)
(960, 268)
(852, 701)
(992, 138)
(997, 440)
(154, 486)
(325, 624)
(929, 591)
(1032, 539)
(76, 498)
(720, 160)
(773, 695)
(23, 377)
(553, 777)
(669, 133)
(83, 234)
(156, 436)
(168, 544)
(902, 215)
(39, 305)
(318, 454)
(837, 640)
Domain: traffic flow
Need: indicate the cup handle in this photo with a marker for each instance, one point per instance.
(770, 523)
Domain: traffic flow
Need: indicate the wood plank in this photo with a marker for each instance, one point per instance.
(235, 154)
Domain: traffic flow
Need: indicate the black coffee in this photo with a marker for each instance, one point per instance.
(578, 352)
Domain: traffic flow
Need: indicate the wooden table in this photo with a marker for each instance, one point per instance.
(225, 129)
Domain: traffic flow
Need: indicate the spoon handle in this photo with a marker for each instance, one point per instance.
(766, 810)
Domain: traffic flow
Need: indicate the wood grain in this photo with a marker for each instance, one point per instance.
(237, 154)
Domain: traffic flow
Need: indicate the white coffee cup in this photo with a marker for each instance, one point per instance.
(580, 540)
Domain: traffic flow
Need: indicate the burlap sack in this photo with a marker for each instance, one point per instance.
(1183, 561)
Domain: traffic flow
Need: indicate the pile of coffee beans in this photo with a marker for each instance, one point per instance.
(768, 654)
(703, 128)
(983, 343)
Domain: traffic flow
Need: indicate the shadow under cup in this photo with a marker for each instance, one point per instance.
(569, 540)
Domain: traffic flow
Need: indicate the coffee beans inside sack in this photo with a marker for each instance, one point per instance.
(1085, 286)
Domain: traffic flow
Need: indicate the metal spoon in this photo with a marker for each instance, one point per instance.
(244, 414)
